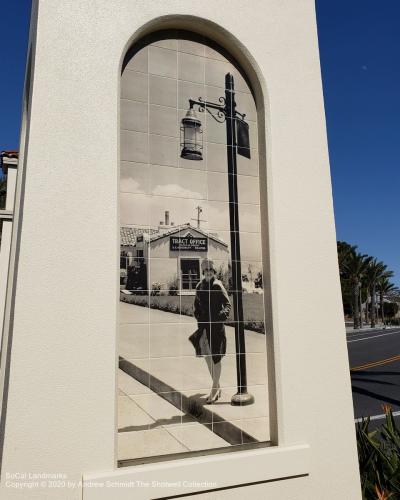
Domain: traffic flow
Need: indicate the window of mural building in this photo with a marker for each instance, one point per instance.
(192, 344)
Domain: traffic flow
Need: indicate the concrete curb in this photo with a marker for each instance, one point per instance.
(203, 414)
(360, 331)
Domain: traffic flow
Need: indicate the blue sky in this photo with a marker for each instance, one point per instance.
(359, 47)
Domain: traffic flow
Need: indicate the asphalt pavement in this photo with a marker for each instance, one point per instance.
(374, 359)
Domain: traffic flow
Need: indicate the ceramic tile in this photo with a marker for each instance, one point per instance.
(163, 121)
(166, 181)
(218, 189)
(223, 410)
(239, 82)
(215, 71)
(257, 428)
(260, 407)
(252, 275)
(163, 91)
(134, 341)
(197, 437)
(168, 43)
(217, 158)
(223, 428)
(190, 90)
(136, 379)
(255, 339)
(213, 54)
(134, 116)
(215, 131)
(218, 219)
(158, 407)
(134, 86)
(196, 373)
(253, 135)
(245, 104)
(134, 178)
(248, 189)
(190, 68)
(134, 308)
(181, 211)
(194, 403)
(134, 209)
(190, 47)
(130, 386)
(256, 369)
(163, 150)
(168, 370)
(248, 166)
(131, 417)
(249, 217)
(157, 314)
(162, 62)
(250, 246)
(134, 146)
(163, 274)
(139, 61)
(154, 442)
(228, 371)
(166, 339)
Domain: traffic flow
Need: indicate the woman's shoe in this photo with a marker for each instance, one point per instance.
(212, 399)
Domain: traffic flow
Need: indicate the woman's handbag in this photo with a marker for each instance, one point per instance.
(195, 340)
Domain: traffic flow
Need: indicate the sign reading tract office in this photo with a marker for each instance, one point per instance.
(189, 243)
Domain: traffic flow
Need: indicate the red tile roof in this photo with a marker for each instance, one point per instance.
(9, 154)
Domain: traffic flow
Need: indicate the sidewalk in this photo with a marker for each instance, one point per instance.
(367, 329)
(153, 427)
(160, 361)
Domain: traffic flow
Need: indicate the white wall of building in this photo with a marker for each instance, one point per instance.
(60, 414)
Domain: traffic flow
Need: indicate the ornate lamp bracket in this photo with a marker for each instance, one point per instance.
(219, 113)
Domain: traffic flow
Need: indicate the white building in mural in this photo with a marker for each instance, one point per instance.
(175, 253)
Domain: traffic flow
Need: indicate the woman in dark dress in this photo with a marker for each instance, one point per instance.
(211, 309)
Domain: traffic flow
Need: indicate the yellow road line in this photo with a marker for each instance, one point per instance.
(376, 363)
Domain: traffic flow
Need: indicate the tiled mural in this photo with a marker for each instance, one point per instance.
(179, 315)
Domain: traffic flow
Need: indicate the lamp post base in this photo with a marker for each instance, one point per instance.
(242, 399)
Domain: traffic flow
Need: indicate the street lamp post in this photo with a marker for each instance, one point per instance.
(191, 149)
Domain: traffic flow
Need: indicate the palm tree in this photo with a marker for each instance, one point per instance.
(384, 287)
(344, 250)
(375, 271)
(355, 267)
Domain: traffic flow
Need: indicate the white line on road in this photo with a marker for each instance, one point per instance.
(377, 417)
(374, 337)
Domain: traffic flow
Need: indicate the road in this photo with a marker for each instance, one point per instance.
(375, 372)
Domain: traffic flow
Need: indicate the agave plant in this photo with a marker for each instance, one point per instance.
(379, 459)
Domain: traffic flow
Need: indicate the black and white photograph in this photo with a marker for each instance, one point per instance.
(192, 343)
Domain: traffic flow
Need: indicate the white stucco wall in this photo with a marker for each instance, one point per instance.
(61, 399)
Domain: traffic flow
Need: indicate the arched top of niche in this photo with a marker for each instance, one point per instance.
(182, 34)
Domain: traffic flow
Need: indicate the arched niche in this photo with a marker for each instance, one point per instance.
(178, 213)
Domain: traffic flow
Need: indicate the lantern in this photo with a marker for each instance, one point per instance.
(191, 137)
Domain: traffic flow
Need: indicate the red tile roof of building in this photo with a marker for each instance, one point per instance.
(9, 154)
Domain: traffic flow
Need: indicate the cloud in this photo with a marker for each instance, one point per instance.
(364, 67)
(129, 185)
(175, 190)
